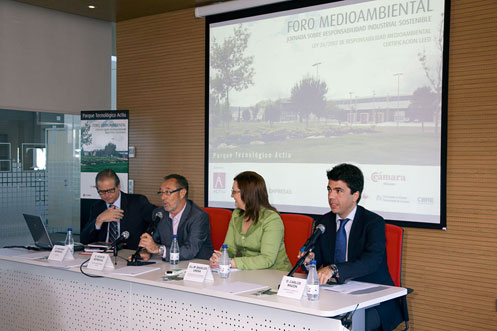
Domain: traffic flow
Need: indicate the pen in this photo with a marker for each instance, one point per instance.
(266, 291)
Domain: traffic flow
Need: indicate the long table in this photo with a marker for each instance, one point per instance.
(35, 294)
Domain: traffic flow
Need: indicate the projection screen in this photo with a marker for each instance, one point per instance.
(293, 91)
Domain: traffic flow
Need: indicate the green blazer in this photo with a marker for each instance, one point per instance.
(262, 247)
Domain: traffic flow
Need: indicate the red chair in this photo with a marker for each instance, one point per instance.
(394, 241)
(297, 229)
(219, 220)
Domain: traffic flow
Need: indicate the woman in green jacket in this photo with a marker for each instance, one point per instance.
(255, 233)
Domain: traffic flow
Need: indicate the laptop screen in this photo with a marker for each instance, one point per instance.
(38, 231)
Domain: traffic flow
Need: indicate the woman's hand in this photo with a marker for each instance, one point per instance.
(214, 260)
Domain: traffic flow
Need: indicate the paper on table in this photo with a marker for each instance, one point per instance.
(216, 270)
(66, 264)
(349, 287)
(11, 252)
(238, 287)
(37, 255)
(133, 270)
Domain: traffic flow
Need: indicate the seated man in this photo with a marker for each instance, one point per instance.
(181, 217)
(353, 245)
(116, 212)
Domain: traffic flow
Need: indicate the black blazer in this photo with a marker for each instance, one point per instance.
(194, 233)
(366, 259)
(137, 216)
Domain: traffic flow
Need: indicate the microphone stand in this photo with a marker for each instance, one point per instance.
(115, 253)
(300, 261)
(135, 259)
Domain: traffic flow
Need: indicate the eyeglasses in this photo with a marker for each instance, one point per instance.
(104, 192)
(168, 193)
(233, 192)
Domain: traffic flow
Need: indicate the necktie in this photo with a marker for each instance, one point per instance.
(113, 233)
(341, 242)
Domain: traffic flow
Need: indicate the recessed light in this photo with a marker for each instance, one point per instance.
(91, 7)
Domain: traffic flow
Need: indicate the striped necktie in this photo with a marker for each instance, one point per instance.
(341, 242)
(113, 232)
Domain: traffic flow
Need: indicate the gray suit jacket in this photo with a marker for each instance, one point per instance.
(194, 233)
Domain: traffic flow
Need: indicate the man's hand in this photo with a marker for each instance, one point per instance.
(324, 275)
(214, 260)
(143, 254)
(308, 258)
(147, 242)
(110, 215)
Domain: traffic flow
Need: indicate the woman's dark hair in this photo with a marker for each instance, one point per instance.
(253, 193)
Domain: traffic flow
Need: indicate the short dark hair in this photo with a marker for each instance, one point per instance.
(253, 193)
(181, 180)
(350, 174)
(107, 173)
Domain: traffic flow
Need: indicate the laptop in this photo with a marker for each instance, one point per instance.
(38, 231)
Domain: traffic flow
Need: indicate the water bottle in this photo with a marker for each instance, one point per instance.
(224, 263)
(69, 240)
(312, 287)
(174, 253)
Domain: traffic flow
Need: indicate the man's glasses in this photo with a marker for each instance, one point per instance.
(168, 193)
(104, 192)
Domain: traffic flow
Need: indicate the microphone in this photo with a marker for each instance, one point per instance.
(309, 244)
(312, 239)
(124, 236)
(150, 230)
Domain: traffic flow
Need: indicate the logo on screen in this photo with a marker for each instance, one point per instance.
(219, 180)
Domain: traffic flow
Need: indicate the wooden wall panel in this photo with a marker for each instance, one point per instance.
(454, 273)
(160, 79)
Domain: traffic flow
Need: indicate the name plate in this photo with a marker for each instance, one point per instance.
(197, 272)
(292, 288)
(61, 253)
(100, 261)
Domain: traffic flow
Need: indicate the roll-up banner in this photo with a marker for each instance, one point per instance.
(104, 145)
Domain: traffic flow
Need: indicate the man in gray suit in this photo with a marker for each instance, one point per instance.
(181, 217)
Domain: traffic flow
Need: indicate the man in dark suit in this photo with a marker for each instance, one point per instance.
(116, 212)
(182, 217)
(353, 244)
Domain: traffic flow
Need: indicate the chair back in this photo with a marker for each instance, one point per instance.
(394, 235)
(219, 220)
(297, 229)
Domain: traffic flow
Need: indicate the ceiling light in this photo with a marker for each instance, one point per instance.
(91, 7)
(228, 6)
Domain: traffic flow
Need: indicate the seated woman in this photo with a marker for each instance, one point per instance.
(255, 233)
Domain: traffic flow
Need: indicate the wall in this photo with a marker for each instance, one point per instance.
(160, 79)
(52, 61)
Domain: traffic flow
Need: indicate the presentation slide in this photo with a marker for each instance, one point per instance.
(296, 92)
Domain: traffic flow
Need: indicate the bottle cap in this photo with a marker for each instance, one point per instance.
(69, 229)
(225, 246)
(175, 236)
(313, 262)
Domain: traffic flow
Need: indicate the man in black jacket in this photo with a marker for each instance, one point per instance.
(116, 212)
(353, 244)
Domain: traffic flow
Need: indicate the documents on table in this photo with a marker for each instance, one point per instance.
(11, 252)
(66, 263)
(350, 287)
(34, 256)
(237, 287)
(133, 270)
